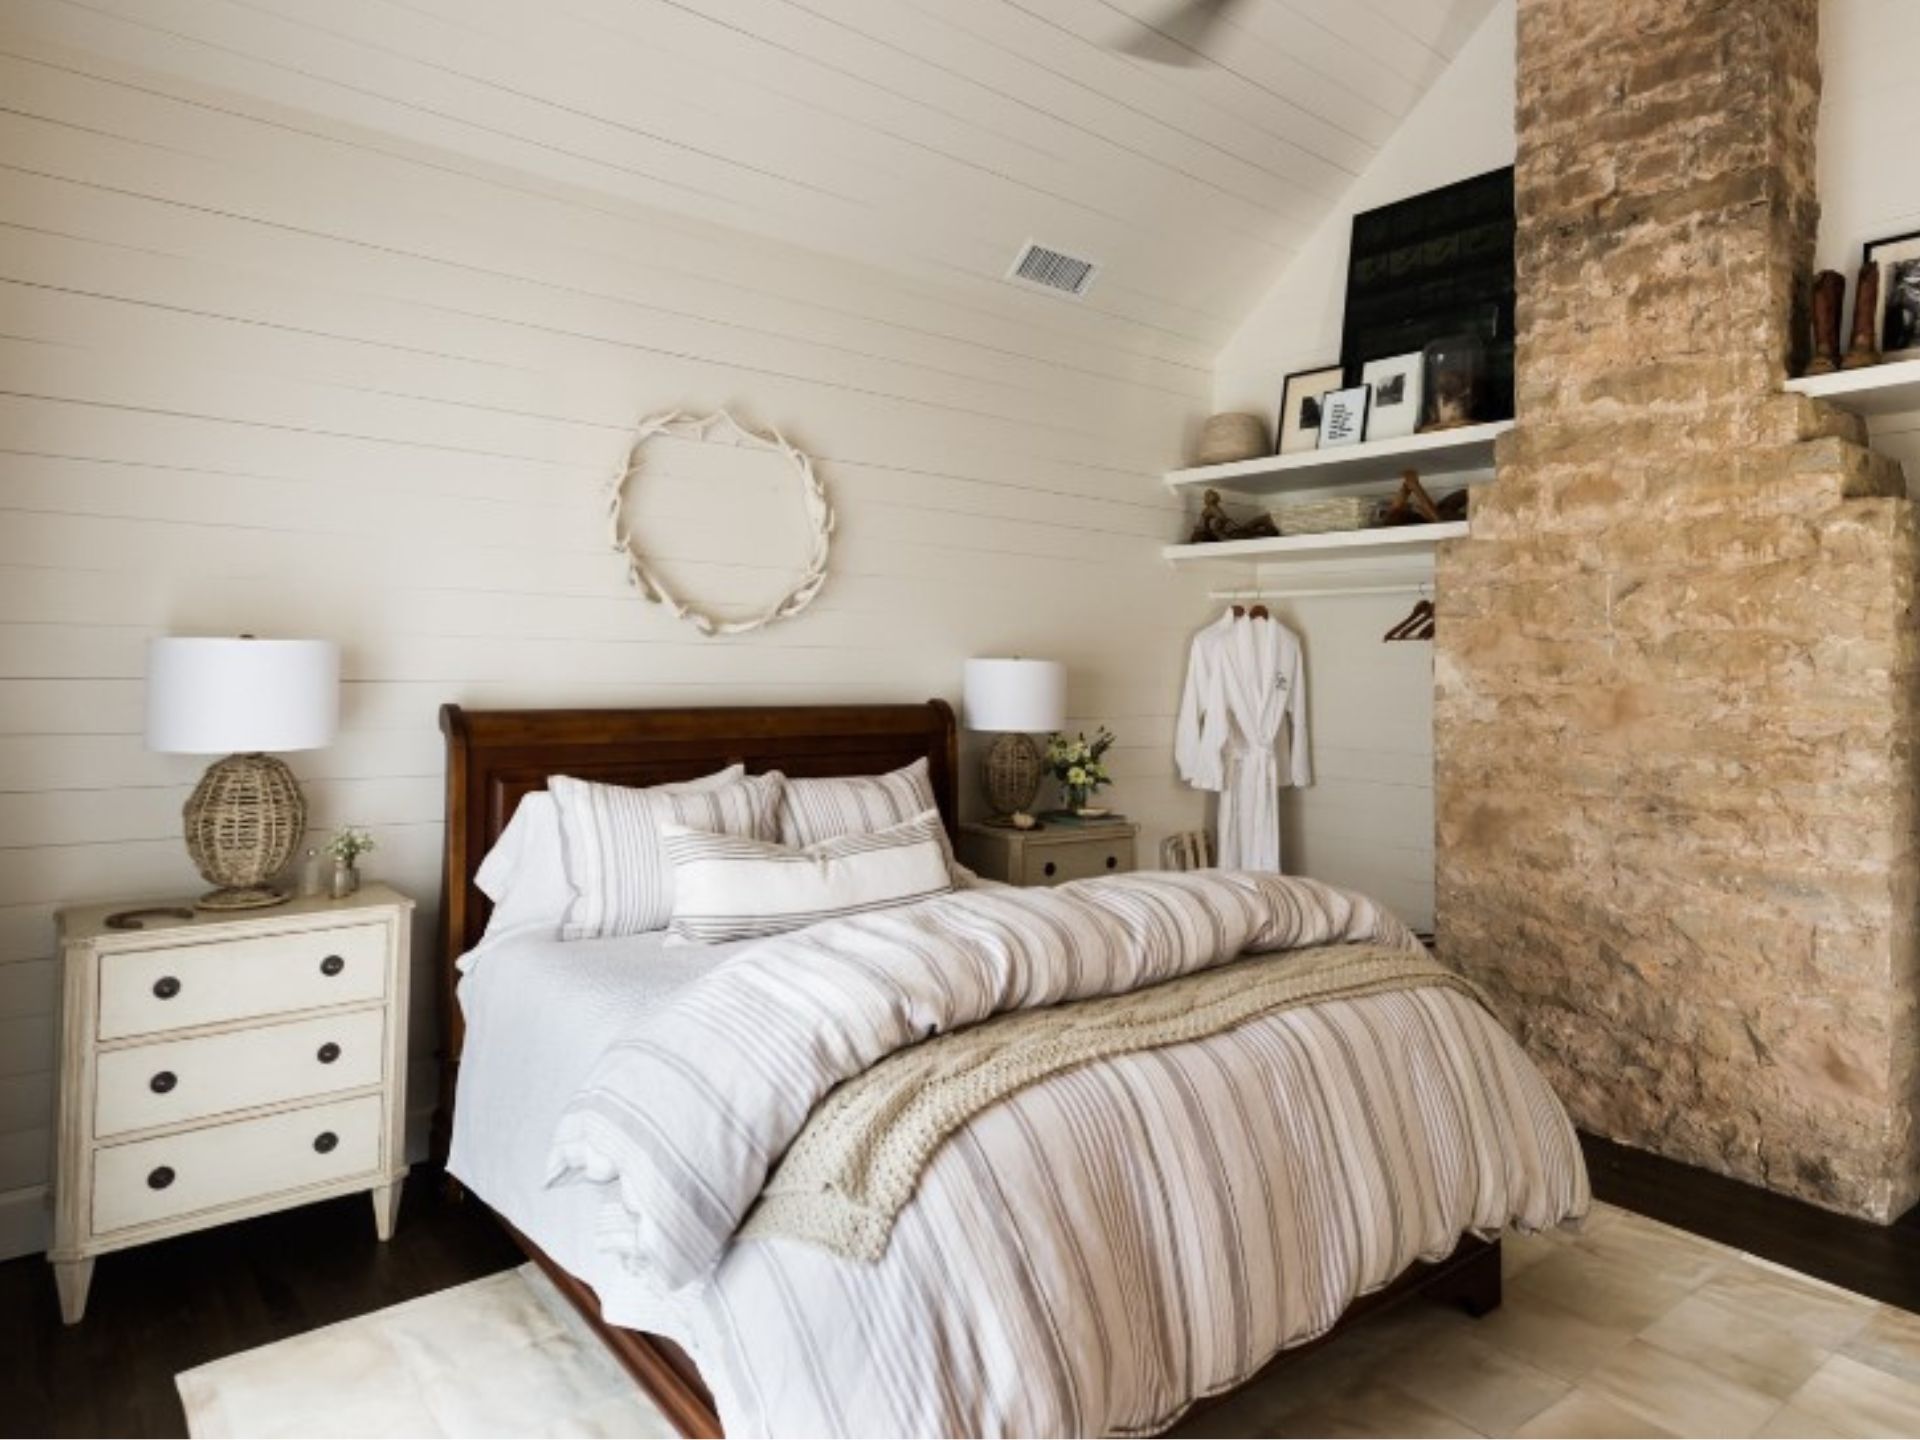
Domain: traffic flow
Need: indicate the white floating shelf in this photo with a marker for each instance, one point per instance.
(1438, 452)
(1334, 545)
(1871, 390)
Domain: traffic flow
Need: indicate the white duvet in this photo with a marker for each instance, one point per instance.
(1089, 1256)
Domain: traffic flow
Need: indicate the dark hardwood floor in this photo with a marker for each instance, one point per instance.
(1882, 1261)
(168, 1307)
(165, 1308)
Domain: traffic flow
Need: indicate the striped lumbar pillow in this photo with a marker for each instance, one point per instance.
(826, 809)
(622, 884)
(729, 888)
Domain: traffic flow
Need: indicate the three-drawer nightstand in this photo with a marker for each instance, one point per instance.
(1052, 855)
(225, 1066)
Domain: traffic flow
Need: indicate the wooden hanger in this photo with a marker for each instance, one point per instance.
(1420, 617)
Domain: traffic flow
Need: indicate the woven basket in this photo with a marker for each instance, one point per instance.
(1318, 517)
(1230, 437)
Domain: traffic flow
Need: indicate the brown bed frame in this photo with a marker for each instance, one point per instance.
(494, 757)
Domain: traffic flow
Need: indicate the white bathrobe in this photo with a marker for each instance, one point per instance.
(1245, 690)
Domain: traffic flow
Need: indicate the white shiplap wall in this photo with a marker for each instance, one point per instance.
(264, 371)
(931, 136)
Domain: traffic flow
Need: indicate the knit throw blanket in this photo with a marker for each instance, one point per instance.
(853, 1168)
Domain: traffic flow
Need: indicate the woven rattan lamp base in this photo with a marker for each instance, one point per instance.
(1010, 774)
(243, 820)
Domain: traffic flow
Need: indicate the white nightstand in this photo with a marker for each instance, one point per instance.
(1049, 856)
(226, 1066)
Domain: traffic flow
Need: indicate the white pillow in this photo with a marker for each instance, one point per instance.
(525, 873)
(729, 888)
(826, 809)
(622, 884)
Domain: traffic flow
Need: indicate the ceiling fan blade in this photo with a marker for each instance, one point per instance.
(1175, 36)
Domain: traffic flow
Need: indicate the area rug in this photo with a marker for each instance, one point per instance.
(502, 1356)
(1627, 1327)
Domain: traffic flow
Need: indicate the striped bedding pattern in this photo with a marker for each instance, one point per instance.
(615, 860)
(1097, 1252)
(813, 810)
(727, 887)
(683, 1116)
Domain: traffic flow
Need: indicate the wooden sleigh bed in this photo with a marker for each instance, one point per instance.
(494, 758)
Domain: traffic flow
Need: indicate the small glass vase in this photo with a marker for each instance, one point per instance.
(1078, 798)
(346, 879)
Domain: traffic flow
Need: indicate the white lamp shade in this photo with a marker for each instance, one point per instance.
(228, 696)
(1016, 696)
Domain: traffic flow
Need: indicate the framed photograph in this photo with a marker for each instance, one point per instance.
(1397, 383)
(1343, 416)
(1899, 324)
(1299, 427)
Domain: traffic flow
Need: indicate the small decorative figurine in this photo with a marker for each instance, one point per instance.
(1216, 525)
(1829, 290)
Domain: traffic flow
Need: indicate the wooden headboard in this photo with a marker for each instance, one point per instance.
(494, 757)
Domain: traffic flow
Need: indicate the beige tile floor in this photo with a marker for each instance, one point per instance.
(1629, 1328)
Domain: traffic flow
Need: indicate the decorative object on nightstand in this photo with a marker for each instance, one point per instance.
(346, 847)
(225, 1066)
(1076, 764)
(212, 696)
(1051, 856)
(1018, 699)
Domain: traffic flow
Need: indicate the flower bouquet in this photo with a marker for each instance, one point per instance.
(1077, 766)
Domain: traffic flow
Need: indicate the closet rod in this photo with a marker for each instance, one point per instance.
(1406, 588)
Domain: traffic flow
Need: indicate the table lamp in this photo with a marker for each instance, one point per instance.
(240, 698)
(1016, 698)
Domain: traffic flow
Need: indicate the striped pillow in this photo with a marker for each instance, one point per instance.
(816, 810)
(622, 884)
(729, 888)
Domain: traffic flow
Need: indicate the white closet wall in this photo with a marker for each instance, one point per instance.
(1367, 821)
(263, 371)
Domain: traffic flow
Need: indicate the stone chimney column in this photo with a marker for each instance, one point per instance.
(1676, 660)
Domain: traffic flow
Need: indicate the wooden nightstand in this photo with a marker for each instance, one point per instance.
(224, 1066)
(1050, 856)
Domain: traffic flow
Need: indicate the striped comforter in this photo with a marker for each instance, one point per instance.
(1099, 1250)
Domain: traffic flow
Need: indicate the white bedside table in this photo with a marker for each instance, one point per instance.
(225, 1066)
(1051, 856)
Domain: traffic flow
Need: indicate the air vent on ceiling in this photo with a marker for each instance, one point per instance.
(1047, 269)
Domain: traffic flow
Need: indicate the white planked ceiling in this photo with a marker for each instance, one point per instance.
(931, 136)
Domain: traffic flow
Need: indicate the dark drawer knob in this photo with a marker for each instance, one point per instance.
(1049, 868)
(166, 987)
(1113, 862)
(328, 1053)
(163, 1082)
(160, 1177)
(332, 965)
(325, 1141)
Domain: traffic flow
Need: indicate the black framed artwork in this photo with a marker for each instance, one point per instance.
(1432, 267)
(1897, 326)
